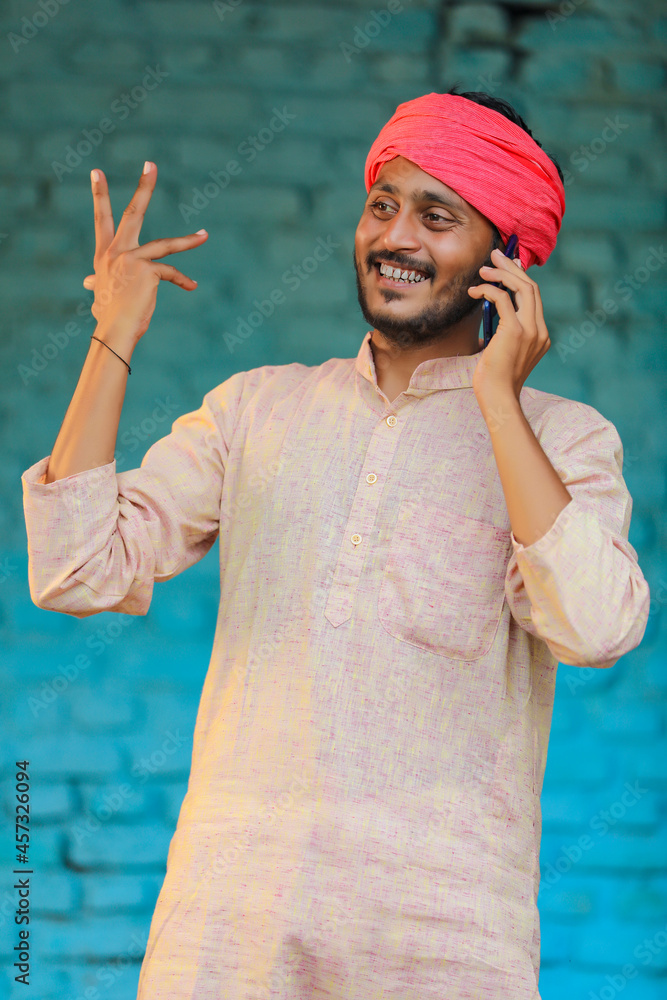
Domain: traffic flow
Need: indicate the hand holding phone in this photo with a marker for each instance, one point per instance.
(488, 309)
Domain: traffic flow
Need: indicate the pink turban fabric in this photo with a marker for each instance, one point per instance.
(488, 160)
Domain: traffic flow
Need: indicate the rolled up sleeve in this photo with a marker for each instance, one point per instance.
(98, 540)
(579, 587)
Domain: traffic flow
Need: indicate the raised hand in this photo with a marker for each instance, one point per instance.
(127, 275)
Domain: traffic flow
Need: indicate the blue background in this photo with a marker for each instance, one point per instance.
(110, 748)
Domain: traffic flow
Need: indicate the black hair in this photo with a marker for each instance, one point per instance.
(504, 108)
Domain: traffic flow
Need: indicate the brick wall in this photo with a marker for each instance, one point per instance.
(104, 714)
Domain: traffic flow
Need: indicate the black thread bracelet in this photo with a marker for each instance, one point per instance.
(93, 337)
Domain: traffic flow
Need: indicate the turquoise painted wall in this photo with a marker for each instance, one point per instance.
(295, 93)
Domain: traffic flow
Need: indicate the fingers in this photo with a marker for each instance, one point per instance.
(155, 249)
(507, 315)
(500, 299)
(508, 271)
(104, 230)
(527, 317)
(169, 273)
(527, 291)
(166, 272)
(129, 227)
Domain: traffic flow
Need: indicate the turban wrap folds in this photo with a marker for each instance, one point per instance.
(489, 161)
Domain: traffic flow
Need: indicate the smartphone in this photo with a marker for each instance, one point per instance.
(488, 309)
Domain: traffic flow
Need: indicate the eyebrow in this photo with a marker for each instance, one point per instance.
(422, 196)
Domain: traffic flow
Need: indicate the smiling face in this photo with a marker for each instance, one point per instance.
(415, 222)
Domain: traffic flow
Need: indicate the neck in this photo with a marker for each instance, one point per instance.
(395, 364)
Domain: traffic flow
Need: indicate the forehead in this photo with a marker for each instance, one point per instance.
(409, 179)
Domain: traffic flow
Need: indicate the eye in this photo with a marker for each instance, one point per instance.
(433, 217)
(439, 218)
(377, 204)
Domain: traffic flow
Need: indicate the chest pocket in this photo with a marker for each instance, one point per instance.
(443, 586)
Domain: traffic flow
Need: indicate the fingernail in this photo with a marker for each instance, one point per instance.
(94, 176)
(147, 166)
(200, 232)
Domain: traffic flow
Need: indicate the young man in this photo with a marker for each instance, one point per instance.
(410, 541)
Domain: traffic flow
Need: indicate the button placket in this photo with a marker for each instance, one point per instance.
(358, 530)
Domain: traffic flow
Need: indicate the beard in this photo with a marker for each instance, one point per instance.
(434, 320)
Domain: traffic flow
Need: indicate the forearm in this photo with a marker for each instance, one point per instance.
(87, 436)
(534, 493)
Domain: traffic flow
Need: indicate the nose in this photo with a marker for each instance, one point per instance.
(401, 233)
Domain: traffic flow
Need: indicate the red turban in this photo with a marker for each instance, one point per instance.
(488, 160)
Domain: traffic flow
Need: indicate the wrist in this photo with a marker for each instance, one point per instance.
(122, 358)
(498, 406)
(118, 339)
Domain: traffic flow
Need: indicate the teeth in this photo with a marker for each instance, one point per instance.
(398, 275)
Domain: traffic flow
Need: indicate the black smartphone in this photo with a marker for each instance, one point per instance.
(488, 309)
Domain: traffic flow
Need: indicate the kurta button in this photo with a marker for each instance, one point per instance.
(371, 477)
(355, 539)
(391, 420)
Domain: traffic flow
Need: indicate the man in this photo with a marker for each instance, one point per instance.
(429, 538)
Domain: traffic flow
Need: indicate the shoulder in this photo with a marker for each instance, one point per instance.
(267, 384)
(551, 414)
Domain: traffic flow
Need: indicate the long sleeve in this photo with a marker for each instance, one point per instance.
(579, 587)
(98, 539)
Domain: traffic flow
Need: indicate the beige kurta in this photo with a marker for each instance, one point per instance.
(362, 819)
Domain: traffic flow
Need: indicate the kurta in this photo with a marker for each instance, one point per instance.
(362, 818)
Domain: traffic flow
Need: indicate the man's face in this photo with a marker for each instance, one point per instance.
(413, 221)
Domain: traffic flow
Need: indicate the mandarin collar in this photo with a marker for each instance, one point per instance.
(437, 373)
